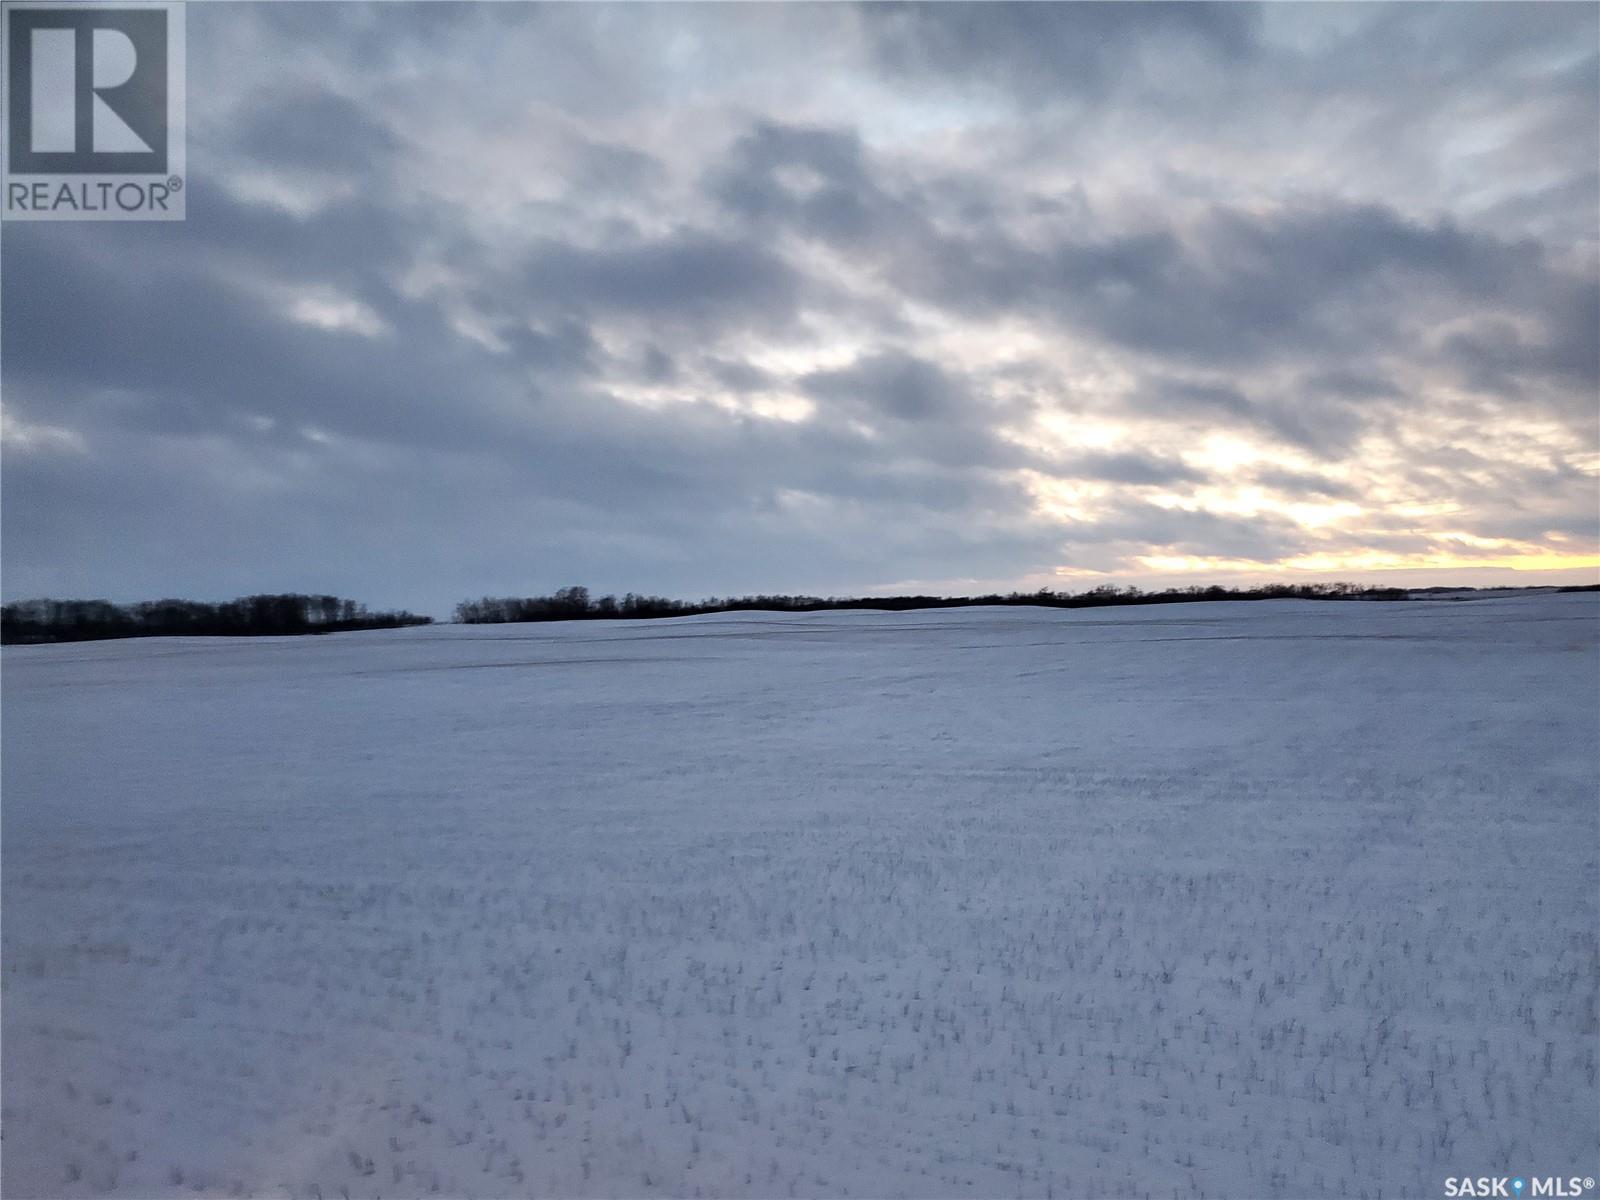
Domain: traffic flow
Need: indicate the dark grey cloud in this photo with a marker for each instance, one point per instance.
(1322, 423)
(1129, 467)
(1498, 356)
(565, 348)
(367, 36)
(184, 349)
(1312, 281)
(1141, 528)
(896, 385)
(825, 298)
(1047, 50)
(919, 409)
(1250, 287)
(1303, 483)
(317, 130)
(815, 180)
(738, 377)
(1348, 384)
(687, 274)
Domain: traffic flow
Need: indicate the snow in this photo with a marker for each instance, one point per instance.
(1252, 899)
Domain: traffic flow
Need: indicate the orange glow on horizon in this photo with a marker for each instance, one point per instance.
(1369, 560)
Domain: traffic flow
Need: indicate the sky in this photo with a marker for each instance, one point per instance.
(698, 300)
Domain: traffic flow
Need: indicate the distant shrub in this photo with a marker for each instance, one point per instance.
(289, 613)
(573, 603)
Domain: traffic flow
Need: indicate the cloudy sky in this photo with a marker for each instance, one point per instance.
(692, 300)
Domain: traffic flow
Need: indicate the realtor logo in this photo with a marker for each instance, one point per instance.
(94, 111)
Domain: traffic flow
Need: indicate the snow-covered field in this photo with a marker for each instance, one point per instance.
(1273, 899)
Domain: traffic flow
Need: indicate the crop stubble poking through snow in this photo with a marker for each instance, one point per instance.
(1253, 899)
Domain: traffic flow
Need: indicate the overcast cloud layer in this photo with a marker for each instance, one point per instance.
(695, 300)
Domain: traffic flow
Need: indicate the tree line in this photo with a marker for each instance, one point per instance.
(288, 613)
(576, 604)
(295, 613)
